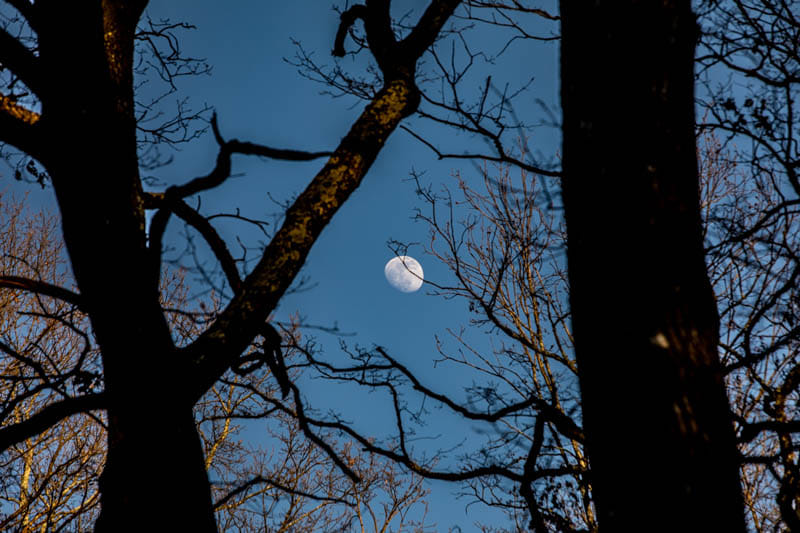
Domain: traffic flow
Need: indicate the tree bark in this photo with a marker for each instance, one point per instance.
(656, 417)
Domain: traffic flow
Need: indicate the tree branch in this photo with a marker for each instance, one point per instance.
(49, 417)
(41, 287)
(564, 424)
(27, 10)
(217, 348)
(171, 204)
(427, 29)
(503, 158)
(222, 170)
(347, 19)
(284, 488)
(16, 57)
(19, 126)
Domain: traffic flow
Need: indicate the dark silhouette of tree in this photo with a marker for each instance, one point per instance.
(645, 323)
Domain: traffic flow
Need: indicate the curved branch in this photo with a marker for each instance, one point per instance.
(564, 424)
(503, 158)
(43, 288)
(525, 489)
(303, 421)
(48, 417)
(216, 349)
(346, 21)
(222, 170)
(183, 211)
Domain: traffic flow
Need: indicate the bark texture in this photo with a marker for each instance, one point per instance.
(656, 417)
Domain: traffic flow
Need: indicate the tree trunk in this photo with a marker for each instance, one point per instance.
(658, 425)
(155, 475)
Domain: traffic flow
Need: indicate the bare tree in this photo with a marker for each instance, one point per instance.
(654, 407)
(749, 59)
(118, 289)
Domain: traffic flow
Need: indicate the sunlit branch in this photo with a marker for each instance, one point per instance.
(216, 349)
(32, 363)
(19, 126)
(303, 421)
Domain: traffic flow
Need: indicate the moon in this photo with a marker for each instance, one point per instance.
(404, 273)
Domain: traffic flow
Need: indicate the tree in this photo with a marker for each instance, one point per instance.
(504, 242)
(654, 407)
(746, 234)
(749, 57)
(103, 197)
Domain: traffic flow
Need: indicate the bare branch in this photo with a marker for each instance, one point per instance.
(565, 425)
(347, 19)
(48, 417)
(222, 170)
(172, 204)
(41, 287)
(21, 61)
(261, 480)
(502, 158)
(215, 350)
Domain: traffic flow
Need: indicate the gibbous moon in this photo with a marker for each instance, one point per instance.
(404, 273)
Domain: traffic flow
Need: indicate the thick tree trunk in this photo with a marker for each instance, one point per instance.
(155, 477)
(659, 430)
